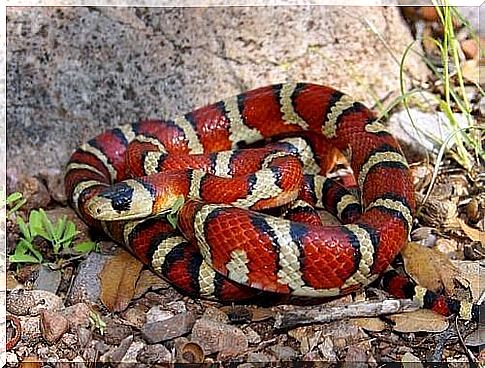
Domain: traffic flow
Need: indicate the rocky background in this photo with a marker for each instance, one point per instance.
(73, 72)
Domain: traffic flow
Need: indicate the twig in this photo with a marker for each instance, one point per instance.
(462, 342)
(323, 314)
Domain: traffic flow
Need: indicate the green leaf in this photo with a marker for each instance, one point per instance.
(31, 248)
(23, 258)
(35, 225)
(47, 225)
(24, 229)
(13, 197)
(69, 233)
(85, 247)
(60, 226)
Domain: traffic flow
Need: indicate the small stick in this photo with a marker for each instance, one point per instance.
(322, 314)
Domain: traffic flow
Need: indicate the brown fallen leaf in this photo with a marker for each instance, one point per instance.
(429, 268)
(471, 275)
(472, 233)
(118, 279)
(370, 324)
(421, 320)
(148, 280)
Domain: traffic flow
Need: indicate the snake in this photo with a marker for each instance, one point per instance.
(223, 202)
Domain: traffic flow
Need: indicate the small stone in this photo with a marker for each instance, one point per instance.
(470, 48)
(283, 352)
(77, 315)
(116, 332)
(132, 352)
(155, 354)
(168, 329)
(218, 337)
(86, 286)
(215, 314)
(53, 325)
(30, 328)
(158, 314)
(258, 358)
(84, 336)
(135, 316)
(32, 189)
(48, 280)
(115, 355)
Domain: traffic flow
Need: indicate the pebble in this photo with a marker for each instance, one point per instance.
(258, 358)
(158, 314)
(48, 280)
(77, 315)
(327, 350)
(86, 286)
(218, 337)
(168, 329)
(117, 353)
(30, 328)
(53, 325)
(116, 332)
(154, 354)
(23, 302)
(215, 314)
(135, 316)
(132, 352)
(32, 189)
(282, 352)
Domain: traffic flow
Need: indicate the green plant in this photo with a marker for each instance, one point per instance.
(60, 235)
(464, 135)
(97, 322)
(13, 202)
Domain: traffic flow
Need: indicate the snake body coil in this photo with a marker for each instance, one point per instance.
(223, 248)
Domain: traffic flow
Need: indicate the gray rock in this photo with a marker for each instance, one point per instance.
(48, 280)
(86, 287)
(72, 72)
(169, 328)
(283, 352)
(156, 353)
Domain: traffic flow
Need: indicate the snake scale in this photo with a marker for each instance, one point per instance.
(208, 170)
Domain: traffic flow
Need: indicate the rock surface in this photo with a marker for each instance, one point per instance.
(71, 72)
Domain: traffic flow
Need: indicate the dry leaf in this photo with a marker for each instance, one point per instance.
(429, 268)
(471, 275)
(472, 233)
(118, 279)
(148, 280)
(420, 320)
(370, 324)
